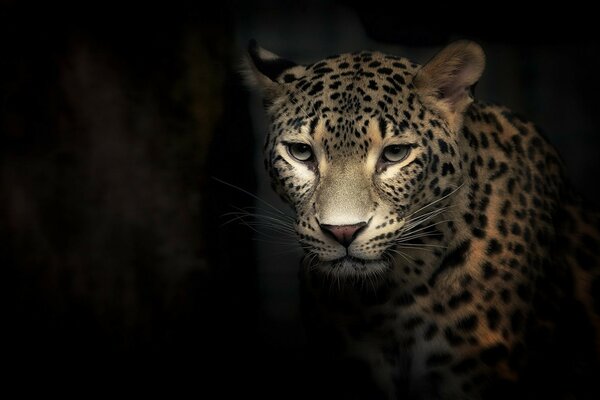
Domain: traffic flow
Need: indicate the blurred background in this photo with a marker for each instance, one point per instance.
(118, 266)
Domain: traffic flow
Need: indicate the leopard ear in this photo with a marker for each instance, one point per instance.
(445, 82)
(262, 70)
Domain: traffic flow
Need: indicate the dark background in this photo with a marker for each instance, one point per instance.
(117, 265)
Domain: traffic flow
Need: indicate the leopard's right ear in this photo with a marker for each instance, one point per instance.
(265, 71)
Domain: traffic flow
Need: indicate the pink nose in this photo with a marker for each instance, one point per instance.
(343, 234)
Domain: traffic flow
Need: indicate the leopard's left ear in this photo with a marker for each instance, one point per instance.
(263, 70)
(445, 81)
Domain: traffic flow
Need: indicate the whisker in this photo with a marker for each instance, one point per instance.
(426, 250)
(420, 245)
(422, 217)
(262, 213)
(249, 194)
(259, 227)
(271, 226)
(438, 200)
(428, 213)
(417, 248)
(402, 239)
(402, 254)
(410, 227)
(425, 215)
(268, 222)
(406, 257)
(408, 233)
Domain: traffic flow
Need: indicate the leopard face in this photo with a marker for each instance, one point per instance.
(364, 147)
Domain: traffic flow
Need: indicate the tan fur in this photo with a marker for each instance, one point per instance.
(458, 66)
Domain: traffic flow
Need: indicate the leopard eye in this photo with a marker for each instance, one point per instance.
(395, 153)
(300, 151)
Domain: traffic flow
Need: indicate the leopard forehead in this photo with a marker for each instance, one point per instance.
(367, 70)
(343, 94)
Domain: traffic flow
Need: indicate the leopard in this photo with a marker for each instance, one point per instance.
(446, 253)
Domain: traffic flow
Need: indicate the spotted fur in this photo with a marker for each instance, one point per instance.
(475, 272)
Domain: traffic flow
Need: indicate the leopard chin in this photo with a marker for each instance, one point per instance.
(349, 266)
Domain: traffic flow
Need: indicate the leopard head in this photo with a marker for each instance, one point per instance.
(362, 144)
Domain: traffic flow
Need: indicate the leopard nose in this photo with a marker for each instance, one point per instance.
(343, 234)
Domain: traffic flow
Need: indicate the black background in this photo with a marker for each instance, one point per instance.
(117, 268)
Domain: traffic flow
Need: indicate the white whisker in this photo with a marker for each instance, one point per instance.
(420, 245)
(427, 226)
(436, 201)
(249, 194)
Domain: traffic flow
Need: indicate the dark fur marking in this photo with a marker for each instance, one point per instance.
(453, 259)
(438, 359)
(494, 354)
(467, 324)
(464, 366)
(493, 318)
